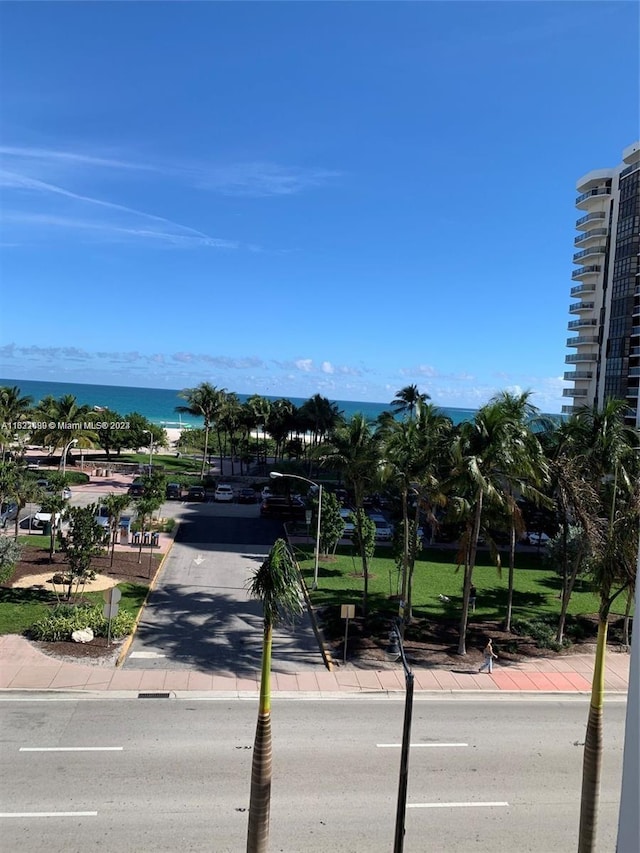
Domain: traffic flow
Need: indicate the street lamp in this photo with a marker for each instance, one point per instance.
(150, 449)
(64, 454)
(397, 648)
(276, 475)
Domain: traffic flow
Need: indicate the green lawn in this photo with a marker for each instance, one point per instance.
(20, 608)
(536, 586)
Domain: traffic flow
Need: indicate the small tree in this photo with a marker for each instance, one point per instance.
(80, 544)
(115, 506)
(146, 507)
(10, 553)
(331, 522)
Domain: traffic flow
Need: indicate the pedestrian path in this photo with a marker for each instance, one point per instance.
(24, 667)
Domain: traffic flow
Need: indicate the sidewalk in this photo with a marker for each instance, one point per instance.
(23, 667)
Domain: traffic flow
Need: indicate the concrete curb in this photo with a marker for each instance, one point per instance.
(327, 657)
(124, 651)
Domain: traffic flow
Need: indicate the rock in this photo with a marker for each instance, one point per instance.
(84, 635)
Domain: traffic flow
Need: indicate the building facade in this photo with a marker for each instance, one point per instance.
(605, 299)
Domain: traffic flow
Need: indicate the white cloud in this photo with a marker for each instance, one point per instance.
(327, 367)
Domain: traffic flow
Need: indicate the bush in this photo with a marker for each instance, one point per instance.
(539, 631)
(65, 619)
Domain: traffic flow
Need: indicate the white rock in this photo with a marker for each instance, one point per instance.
(85, 635)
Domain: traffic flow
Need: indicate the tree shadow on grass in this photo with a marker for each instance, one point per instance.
(26, 595)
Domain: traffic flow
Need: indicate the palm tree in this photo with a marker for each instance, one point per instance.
(412, 453)
(481, 458)
(13, 409)
(354, 449)
(613, 569)
(205, 401)
(260, 407)
(277, 585)
(408, 400)
(115, 506)
(65, 420)
(525, 470)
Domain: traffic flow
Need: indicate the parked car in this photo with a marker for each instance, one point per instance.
(196, 493)
(283, 508)
(384, 530)
(40, 519)
(346, 514)
(247, 496)
(537, 538)
(8, 512)
(66, 493)
(102, 516)
(173, 492)
(266, 493)
(223, 493)
(136, 489)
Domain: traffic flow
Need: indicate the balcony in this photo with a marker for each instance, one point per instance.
(569, 410)
(583, 222)
(582, 288)
(629, 169)
(590, 235)
(592, 250)
(635, 330)
(634, 371)
(574, 392)
(592, 269)
(576, 375)
(577, 307)
(582, 323)
(580, 356)
(583, 201)
(581, 340)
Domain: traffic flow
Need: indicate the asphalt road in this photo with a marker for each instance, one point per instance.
(200, 615)
(165, 775)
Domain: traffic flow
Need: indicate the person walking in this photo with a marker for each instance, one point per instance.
(489, 657)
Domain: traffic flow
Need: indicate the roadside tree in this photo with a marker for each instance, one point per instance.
(81, 542)
(276, 584)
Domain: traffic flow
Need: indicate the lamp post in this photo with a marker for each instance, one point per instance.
(64, 454)
(397, 648)
(276, 475)
(150, 449)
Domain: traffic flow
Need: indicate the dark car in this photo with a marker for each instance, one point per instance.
(173, 492)
(247, 496)
(196, 493)
(8, 512)
(136, 489)
(286, 509)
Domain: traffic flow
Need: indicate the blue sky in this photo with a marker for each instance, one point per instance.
(299, 198)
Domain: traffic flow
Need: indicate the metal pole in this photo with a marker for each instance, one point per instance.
(315, 569)
(346, 632)
(398, 844)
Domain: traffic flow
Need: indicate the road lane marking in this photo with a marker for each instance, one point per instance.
(147, 655)
(48, 814)
(454, 805)
(414, 745)
(71, 749)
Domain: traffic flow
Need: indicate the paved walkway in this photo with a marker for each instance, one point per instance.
(24, 667)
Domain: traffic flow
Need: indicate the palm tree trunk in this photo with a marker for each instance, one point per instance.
(262, 765)
(592, 762)
(566, 597)
(512, 563)
(468, 573)
(206, 449)
(625, 624)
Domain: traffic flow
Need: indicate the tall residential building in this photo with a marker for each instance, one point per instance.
(606, 341)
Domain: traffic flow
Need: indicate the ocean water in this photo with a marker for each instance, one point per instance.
(158, 404)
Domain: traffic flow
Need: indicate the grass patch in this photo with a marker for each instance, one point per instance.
(20, 608)
(536, 586)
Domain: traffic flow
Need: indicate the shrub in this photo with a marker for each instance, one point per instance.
(65, 619)
(539, 631)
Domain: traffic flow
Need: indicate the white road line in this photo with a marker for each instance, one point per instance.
(147, 655)
(454, 805)
(71, 749)
(48, 814)
(414, 745)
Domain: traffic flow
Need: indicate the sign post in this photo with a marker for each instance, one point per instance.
(111, 597)
(347, 611)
